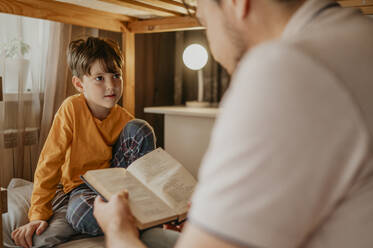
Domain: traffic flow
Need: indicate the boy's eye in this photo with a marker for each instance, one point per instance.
(117, 75)
(99, 78)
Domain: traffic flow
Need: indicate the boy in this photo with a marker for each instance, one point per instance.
(84, 136)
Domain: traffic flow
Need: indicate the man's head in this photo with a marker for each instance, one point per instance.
(235, 26)
(96, 65)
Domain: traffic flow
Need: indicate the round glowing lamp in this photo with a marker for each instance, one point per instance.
(195, 57)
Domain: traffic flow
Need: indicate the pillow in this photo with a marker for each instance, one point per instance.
(19, 193)
(58, 231)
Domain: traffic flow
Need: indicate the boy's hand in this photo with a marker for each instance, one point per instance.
(22, 236)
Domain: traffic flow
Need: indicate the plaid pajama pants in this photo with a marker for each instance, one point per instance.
(136, 139)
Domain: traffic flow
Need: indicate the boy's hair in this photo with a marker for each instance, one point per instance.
(82, 53)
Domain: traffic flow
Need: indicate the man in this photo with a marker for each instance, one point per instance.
(290, 158)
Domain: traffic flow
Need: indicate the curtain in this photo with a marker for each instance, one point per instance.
(23, 51)
(36, 80)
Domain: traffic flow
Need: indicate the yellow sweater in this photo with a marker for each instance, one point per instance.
(77, 142)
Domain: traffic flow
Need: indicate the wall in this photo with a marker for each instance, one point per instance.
(154, 76)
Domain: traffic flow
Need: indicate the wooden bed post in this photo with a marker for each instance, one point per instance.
(128, 47)
(3, 209)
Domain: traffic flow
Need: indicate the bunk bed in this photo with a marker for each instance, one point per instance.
(130, 17)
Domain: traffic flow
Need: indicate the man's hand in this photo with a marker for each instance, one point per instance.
(116, 221)
(22, 236)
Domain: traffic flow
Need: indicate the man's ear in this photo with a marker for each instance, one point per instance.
(78, 84)
(242, 8)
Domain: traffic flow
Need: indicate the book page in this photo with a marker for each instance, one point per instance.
(144, 204)
(166, 177)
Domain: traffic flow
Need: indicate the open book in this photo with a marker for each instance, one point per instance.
(159, 187)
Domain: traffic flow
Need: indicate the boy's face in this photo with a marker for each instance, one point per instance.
(101, 89)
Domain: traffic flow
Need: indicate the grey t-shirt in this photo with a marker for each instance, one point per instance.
(290, 158)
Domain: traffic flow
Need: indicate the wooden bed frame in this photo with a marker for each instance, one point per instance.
(168, 15)
(3, 209)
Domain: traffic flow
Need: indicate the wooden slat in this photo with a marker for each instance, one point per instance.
(366, 6)
(178, 76)
(1, 89)
(3, 201)
(138, 5)
(66, 13)
(3, 209)
(164, 25)
(34, 159)
(355, 3)
(367, 10)
(6, 168)
(128, 46)
(179, 4)
(171, 5)
(190, 3)
(26, 173)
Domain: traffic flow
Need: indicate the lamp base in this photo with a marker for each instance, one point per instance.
(197, 104)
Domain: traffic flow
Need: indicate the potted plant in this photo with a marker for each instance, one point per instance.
(15, 66)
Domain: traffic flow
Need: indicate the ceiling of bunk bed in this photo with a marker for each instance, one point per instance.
(113, 15)
(148, 9)
(140, 9)
(137, 16)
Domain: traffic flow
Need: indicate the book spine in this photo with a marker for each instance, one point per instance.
(93, 189)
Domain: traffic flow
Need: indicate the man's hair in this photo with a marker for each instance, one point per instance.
(82, 53)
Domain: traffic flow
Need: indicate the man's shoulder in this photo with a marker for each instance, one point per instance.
(284, 70)
(275, 60)
(272, 51)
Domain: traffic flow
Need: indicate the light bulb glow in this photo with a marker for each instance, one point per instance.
(195, 57)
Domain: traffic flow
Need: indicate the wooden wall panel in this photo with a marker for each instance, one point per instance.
(128, 48)
(154, 76)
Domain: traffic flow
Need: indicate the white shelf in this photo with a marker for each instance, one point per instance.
(184, 111)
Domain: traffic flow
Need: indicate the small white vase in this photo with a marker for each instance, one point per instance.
(15, 74)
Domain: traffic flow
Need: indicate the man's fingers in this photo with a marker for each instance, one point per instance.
(99, 200)
(123, 193)
(98, 204)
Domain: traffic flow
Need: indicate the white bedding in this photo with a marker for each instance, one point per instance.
(19, 194)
